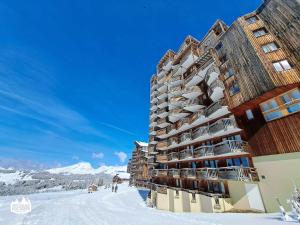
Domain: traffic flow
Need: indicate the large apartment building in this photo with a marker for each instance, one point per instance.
(221, 107)
(138, 165)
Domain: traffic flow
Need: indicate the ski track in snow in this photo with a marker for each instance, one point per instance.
(106, 208)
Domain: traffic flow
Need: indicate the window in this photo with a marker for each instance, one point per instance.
(252, 19)
(234, 89)
(249, 114)
(230, 72)
(281, 105)
(260, 32)
(219, 46)
(282, 65)
(223, 59)
(270, 47)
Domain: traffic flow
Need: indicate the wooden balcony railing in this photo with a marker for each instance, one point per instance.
(161, 132)
(186, 154)
(175, 173)
(173, 156)
(162, 144)
(162, 158)
(159, 172)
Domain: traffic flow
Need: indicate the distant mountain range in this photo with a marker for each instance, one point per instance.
(86, 168)
(77, 176)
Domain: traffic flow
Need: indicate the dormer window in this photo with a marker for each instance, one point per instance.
(252, 19)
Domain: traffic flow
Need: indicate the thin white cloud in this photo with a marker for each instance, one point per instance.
(97, 155)
(121, 155)
(117, 128)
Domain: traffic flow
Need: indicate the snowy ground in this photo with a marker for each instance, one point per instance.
(127, 207)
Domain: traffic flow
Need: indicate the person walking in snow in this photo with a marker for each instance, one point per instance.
(116, 179)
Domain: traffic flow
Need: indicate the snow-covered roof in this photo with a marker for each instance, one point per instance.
(142, 144)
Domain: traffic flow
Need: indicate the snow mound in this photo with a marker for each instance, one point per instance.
(86, 168)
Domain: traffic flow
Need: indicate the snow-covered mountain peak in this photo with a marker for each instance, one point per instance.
(86, 168)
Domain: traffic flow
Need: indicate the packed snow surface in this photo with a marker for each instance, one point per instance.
(127, 207)
(86, 168)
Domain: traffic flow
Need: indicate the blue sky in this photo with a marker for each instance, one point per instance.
(74, 75)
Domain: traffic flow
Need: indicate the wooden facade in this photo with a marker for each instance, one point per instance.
(253, 71)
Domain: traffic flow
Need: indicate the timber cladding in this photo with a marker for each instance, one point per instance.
(274, 137)
(282, 17)
(250, 73)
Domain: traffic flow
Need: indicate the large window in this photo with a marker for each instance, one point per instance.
(230, 72)
(282, 105)
(270, 47)
(260, 32)
(252, 19)
(234, 89)
(282, 65)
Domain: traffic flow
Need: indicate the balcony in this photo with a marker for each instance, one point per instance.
(178, 70)
(159, 172)
(177, 114)
(152, 131)
(167, 65)
(204, 151)
(162, 132)
(173, 141)
(197, 117)
(154, 93)
(153, 122)
(162, 145)
(162, 113)
(162, 122)
(153, 115)
(161, 73)
(192, 92)
(200, 132)
(171, 129)
(186, 154)
(176, 80)
(153, 107)
(188, 60)
(173, 156)
(188, 173)
(162, 95)
(184, 124)
(162, 103)
(212, 74)
(214, 107)
(185, 137)
(153, 99)
(197, 76)
(238, 173)
(152, 140)
(176, 102)
(222, 125)
(175, 173)
(207, 173)
(153, 86)
(175, 91)
(216, 90)
(193, 105)
(162, 87)
(230, 146)
(225, 147)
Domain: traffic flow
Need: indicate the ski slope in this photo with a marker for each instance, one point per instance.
(126, 207)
